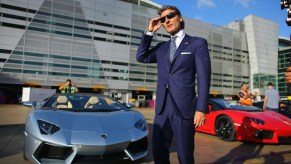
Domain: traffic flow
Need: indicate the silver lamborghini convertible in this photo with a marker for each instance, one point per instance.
(67, 126)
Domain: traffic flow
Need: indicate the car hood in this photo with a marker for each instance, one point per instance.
(89, 121)
(270, 118)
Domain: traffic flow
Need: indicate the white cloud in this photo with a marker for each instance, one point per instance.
(244, 3)
(205, 3)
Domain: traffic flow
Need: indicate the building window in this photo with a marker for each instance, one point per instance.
(11, 70)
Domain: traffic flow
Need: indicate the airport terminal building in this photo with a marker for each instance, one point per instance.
(94, 42)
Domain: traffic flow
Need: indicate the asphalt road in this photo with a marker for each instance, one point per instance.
(208, 149)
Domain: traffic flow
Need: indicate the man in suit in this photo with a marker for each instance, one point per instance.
(178, 109)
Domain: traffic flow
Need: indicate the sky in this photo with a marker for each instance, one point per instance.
(222, 12)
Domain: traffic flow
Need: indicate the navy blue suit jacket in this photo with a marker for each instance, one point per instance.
(191, 59)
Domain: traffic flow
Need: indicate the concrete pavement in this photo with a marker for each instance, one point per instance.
(208, 149)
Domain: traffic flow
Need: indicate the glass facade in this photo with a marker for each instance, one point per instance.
(283, 63)
(261, 80)
(94, 42)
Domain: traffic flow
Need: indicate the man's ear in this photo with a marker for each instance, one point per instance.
(181, 18)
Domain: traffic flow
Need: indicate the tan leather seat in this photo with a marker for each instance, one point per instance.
(63, 102)
(91, 102)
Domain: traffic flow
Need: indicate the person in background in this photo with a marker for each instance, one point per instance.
(69, 87)
(288, 75)
(245, 96)
(257, 97)
(272, 99)
(257, 100)
(178, 109)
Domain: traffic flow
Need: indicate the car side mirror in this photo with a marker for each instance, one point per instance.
(34, 104)
(31, 104)
(130, 105)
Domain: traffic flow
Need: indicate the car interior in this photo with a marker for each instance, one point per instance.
(62, 102)
(77, 102)
(91, 102)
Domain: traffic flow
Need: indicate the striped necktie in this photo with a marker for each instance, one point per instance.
(173, 48)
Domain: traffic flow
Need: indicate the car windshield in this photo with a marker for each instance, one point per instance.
(235, 105)
(83, 102)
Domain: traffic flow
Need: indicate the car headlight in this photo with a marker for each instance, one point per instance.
(141, 124)
(47, 128)
(257, 121)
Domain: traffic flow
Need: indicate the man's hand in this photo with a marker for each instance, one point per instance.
(249, 94)
(67, 83)
(288, 75)
(154, 24)
(199, 119)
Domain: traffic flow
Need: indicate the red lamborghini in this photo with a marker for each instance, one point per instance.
(232, 121)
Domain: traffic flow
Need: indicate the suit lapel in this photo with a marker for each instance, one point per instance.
(182, 46)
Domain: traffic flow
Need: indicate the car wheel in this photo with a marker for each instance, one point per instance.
(224, 128)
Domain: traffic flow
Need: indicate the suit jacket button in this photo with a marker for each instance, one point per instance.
(170, 74)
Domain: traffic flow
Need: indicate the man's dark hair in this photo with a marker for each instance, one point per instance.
(270, 84)
(177, 11)
(69, 80)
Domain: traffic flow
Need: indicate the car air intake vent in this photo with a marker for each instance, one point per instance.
(52, 152)
(264, 134)
(138, 146)
(285, 140)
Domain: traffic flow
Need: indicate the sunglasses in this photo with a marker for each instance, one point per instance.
(169, 16)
